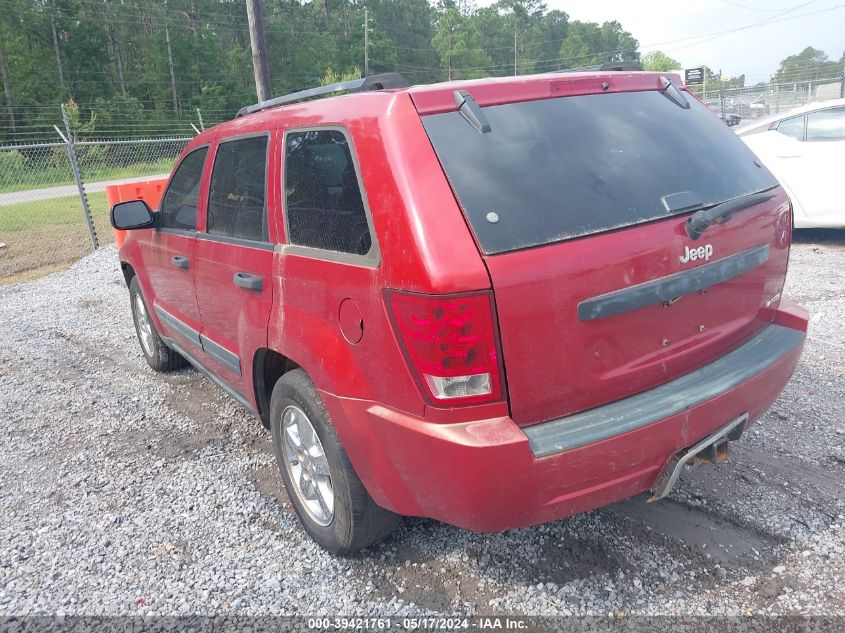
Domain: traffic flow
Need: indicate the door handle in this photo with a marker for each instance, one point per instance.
(248, 281)
(180, 261)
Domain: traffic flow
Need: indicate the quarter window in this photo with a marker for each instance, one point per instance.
(322, 198)
(793, 127)
(179, 204)
(236, 203)
(827, 125)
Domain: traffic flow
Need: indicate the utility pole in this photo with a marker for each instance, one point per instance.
(115, 47)
(514, 46)
(366, 42)
(721, 95)
(258, 43)
(842, 85)
(7, 89)
(56, 51)
(170, 61)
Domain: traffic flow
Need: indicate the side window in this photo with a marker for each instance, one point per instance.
(236, 195)
(827, 125)
(322, 197)
(179, 204)
(793, 127)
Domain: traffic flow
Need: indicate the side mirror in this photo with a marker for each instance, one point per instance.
(132, 214)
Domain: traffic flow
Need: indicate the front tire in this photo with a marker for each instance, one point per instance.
(327, 495)
(158, 356)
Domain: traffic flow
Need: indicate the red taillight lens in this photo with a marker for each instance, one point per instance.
(451, 343)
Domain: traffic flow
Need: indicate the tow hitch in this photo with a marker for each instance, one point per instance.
(713, 449)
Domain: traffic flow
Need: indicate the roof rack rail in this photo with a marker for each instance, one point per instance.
(384, 81)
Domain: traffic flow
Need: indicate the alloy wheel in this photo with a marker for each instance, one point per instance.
(145, 328)
(307, 465)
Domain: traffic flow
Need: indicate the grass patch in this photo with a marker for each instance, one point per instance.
(42, 248)
(40, 177)
(55, 211)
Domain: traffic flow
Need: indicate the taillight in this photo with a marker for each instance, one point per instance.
(451, 343)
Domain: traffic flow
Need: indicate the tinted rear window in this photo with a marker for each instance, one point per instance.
(556, 169)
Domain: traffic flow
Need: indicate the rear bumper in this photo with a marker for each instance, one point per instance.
(491, 475)
(675, 396)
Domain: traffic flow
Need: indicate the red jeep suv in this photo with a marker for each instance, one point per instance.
(494, 302)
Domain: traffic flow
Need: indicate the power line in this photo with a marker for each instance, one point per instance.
(79, 77)
(689, 41)
(743, 6)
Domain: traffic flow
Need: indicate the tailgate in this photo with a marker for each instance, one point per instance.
(560, 360)
(578, 206)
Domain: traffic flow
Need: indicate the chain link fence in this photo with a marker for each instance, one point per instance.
(53, 207)
(762, 100)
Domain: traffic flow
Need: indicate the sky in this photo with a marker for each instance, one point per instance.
(756, 51)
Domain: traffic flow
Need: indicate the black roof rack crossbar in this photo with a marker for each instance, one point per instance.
(621, 66)
(384, 81)
(608, 66)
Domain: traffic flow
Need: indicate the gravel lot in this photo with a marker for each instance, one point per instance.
(124, 491)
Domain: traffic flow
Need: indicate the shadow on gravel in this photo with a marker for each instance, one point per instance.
(442, 568)
(701, 531)
(827, 237)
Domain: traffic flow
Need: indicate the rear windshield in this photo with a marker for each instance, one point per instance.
(561, 168)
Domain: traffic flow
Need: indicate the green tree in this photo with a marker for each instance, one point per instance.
(59, 51)
(331, 77)
(521, 36)
(659, 61)
(811, 64)
(459, 45)
(588, 44)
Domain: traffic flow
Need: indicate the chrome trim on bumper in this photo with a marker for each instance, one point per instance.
(615, 418)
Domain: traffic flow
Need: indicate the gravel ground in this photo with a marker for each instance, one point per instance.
(128, 492)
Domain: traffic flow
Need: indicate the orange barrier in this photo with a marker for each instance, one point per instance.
(148, 190)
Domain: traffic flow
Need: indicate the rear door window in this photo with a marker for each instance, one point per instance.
(236, 204)
(323, 201)
(792, 127)
(179, 205)
(827, 125)
(555, 169)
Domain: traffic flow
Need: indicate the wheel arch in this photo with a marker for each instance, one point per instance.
(268, 365)
(128, 272)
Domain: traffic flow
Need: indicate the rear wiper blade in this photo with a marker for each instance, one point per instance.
(700, 220)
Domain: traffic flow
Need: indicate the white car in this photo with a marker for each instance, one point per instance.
(805, 149)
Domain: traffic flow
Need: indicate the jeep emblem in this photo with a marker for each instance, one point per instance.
(692, 254)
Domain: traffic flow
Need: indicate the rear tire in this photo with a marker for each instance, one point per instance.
(333, 507)
(158, 356)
